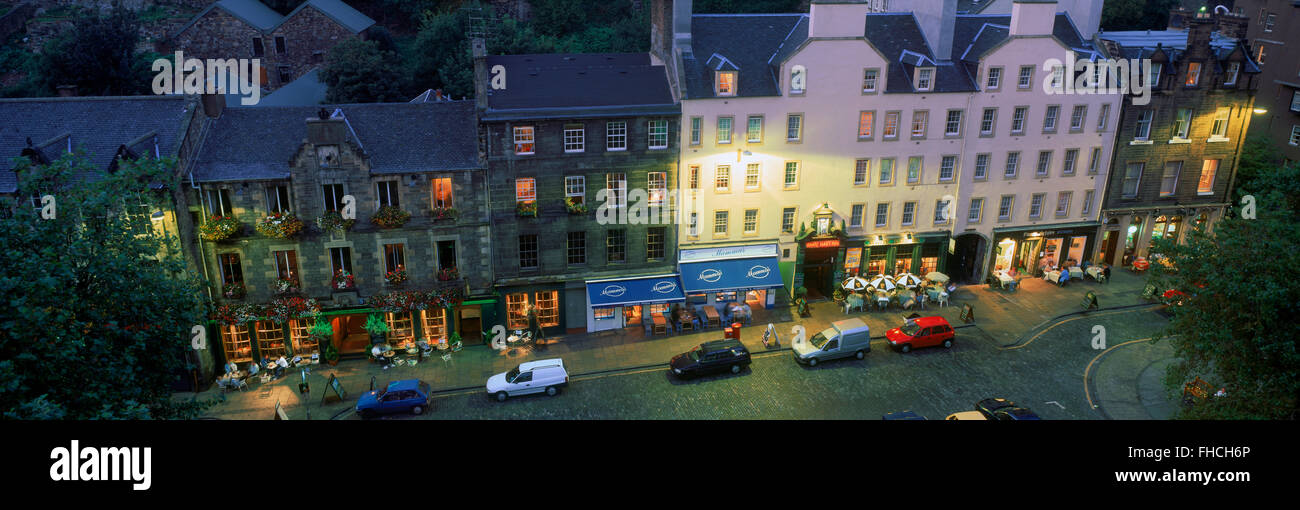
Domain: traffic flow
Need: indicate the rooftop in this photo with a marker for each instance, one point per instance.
(258, 15)
(579, 84)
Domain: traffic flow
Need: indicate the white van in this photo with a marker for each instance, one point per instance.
(849, 337)
(547, 375)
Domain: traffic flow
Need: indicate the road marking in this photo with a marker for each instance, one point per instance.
(1058, 404)
(1093, 316)
(1088, 393)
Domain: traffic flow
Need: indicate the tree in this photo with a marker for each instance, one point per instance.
(1136, 14)
(96, 320)
(1259, 157)
(1238, 326)
(357, 71)
(98, 55)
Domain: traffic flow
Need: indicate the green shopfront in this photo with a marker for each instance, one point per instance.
(823, 261)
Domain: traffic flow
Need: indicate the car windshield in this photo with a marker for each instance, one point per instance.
(512, 374)
(696, 353)
(910, 328)
(819, 339)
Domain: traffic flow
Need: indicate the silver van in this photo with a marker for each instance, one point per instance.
(849, 337)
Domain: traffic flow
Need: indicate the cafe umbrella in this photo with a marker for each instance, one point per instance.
(936, 276)
(883, 282)
(908, 280)
(855, 284)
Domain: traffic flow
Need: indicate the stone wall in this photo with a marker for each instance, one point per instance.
(308, 36)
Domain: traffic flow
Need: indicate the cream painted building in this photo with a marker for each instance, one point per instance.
(845, 139)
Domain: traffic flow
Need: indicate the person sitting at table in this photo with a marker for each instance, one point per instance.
(231, 367)
(378, 353)
(1065, 277)
(252, 369)
(280, 365)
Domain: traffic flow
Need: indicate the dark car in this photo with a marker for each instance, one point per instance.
(715, 356)
(1001, 409)
(902, 415)
(409, 395)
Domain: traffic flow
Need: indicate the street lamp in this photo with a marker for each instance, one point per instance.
(1261, 111)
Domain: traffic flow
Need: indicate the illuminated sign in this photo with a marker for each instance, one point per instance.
(828, 243)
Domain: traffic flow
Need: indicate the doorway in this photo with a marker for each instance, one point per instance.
(968, 257)
(470, 325)
(818, 271)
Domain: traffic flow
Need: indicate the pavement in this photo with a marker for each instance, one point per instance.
(1021, 320)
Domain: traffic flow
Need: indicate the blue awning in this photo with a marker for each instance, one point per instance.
(628, 291)
(731, 274)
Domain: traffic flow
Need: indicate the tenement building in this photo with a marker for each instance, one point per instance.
(581, 155)
(348, 216)
(1176, 158)
(1275, 46)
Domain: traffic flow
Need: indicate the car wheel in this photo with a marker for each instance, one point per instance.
(861, 354)
(417, 410)
(735, 369)
(812, 362)
(367, 415)
(947, 344)
(906, 348)
(551, 391)
(501, 396)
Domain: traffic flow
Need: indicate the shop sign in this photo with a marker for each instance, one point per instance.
(729, 252)
(825, 243)
(852, 258)
(613, 290)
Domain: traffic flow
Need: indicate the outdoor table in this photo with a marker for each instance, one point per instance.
(712, 315)
(660, 324)
(686, 319)
(1075, 272)
(853, 301)
(882, 300)
(1005, 279)
(1095, 272)
(933, 294)
(389, 354)
(1052, 276)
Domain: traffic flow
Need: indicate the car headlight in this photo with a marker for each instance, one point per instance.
(677, 370)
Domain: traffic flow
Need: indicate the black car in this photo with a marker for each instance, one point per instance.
(1001, 409)
(903, 416)
(716, 356)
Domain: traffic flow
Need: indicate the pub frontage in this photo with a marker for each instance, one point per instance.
(1027, 249)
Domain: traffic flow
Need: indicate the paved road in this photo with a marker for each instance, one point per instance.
(933, 382)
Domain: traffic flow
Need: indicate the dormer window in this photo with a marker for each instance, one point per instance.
(924, 79)
(1154, 80)
(726, 83)
(1230, 76)
(1193, 74)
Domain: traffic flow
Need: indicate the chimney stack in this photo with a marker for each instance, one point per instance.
(1231, 25)
(937, 19)
(212, 104)
(838, 18)
(1199, 32)
(327, 131)
(1033, 17)
(479, 49)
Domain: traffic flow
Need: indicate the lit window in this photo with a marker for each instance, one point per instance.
(866, 121)
(891, 124)
(575, 188)
(1205, 186)
(1193, 74)
(525, 189)
(722, 178)
(524, 140)
(726, 83)
(657, 184)
(920, 123)
(441, 192)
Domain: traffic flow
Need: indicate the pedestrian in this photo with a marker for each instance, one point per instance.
(1105, 272)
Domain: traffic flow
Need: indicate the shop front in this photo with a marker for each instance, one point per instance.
(1029, 249)
(735, 274)
(630, 302)
(546, 301)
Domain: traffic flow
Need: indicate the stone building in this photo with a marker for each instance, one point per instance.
(564, 136)
(386, 161)
(288, 45)
(1176, 158)
(1275, 44)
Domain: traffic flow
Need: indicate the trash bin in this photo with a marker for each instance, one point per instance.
(732, 331)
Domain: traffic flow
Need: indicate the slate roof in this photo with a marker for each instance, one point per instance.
(257, 142)
(972, 6)
(572, 85)
(1137, 44)
(755, 44)
(263, 18)
(96, 125)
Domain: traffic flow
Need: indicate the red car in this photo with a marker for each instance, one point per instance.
(921, 332)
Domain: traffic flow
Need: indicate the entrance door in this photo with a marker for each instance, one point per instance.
(1076, 248)
(818, 271)
(470, 326)
(1108, 243)
(1052, 250)
(968, 257)
(632, 315)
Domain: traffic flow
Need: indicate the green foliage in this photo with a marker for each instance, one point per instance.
(1238, 329)
(375, 325)
(1259, 158)
(98, 55)
(89, 327)
(358, 71)
(1136, 14)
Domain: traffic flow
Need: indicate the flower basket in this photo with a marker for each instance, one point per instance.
(342, 281)
(390, 217)
(281, 225)
(219, 228)
(287, 285)
(574, 207)
(234, 291)
(442, 213)
(397, 277)
(526, 209)
(448, 274)
(333, 222)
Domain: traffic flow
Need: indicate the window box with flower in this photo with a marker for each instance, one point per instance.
(574, 206)
(448, 274)
(234, 290)
(526, 209)
(397, 277)
(333, 223)
(280, 225)
(220, 228)
(390, 217)
(443, 213)
(287, 286)
(343, 281)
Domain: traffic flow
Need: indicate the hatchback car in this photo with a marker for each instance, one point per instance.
(921, 332)
(967, 415)
(409, 395)
(716, 356)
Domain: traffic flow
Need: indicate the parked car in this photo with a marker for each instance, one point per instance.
(989, 406)
(547, 375)
(849, 337)
(967, 415)
(902, 415)
(708, 357)
(921, 332)
(1014, 414)
(408, 395)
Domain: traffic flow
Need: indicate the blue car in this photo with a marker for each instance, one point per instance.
(410, 395)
